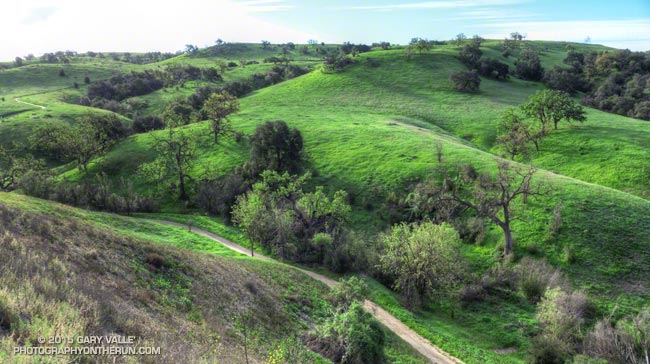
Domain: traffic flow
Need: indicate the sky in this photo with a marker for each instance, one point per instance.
(39, 26)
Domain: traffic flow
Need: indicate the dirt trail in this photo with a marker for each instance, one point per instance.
(29, 103)
(423, 346)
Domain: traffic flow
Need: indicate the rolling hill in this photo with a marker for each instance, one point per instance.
(372, 130)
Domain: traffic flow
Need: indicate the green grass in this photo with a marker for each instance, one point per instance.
(175, 287)
(372, 130)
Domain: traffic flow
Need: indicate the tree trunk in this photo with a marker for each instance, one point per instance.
(505, 225)
(508, 235)
(181, 187)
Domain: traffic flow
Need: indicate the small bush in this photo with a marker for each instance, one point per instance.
(532, 249)
(466, 81)
(147, 123)
(546, 349)
(356, 336)
(536, 276)
(348, 292)
(155, 260)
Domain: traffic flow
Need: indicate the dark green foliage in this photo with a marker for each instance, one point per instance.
(470, 55)
(492, 68)
(276, 147)
(181, 111)
(354, 49)
(217, 196)
(218, 107)
(565, 80)
(528, 66)
(124, 86)
(147, 123)
(14, 166)
(336, 62)
(88, 138)
(466, 81)
(620, 79)
(280, 215)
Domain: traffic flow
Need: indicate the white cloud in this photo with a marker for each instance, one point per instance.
(442, 4)
(39, 14)
(260, 6)
(633, 34)
(494, 14)
(128, 25)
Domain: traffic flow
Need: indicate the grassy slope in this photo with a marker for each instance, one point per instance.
(200, 290)
(41, 84)
(371, 130)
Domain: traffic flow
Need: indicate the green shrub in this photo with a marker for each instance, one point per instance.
(465, 81)
(358, 335)
(349, 291)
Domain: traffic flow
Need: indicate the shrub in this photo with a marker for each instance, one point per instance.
(424, 259)
(499, 280)
(560, 314)
(36, 183)
(349, 291)
(564, 80)
(274, 146)
(471, 229)
(155, 260)
(336, 62)
(528, 66)
(217, 197)
(493, 69)
(628, 342)
(536, 276)
(466, 81)
(356, 336)
(546, 349)
(470, 55)
(147, 123)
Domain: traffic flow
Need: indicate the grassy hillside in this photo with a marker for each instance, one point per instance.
(372, 130)
(99, 274)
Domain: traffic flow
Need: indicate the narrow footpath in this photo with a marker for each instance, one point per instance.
(423, 346)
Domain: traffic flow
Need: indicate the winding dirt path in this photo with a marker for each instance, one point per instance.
(423, 346)
(29, 103)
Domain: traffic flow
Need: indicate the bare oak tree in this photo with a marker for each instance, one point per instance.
(493, 197)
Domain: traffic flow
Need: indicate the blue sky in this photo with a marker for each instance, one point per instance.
(38, 26)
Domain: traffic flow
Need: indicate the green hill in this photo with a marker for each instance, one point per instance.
(372, 130)
(89, 273)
